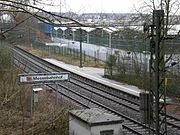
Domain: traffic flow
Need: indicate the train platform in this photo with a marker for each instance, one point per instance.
(97, 75)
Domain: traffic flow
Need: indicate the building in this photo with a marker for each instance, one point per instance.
(94, 122)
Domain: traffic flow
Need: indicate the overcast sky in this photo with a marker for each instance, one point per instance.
(101, 6)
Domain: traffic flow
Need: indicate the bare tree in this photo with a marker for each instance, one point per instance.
(170, 7)
(25, 6)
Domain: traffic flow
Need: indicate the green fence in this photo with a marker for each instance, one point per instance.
(136, 72)
(58, 50)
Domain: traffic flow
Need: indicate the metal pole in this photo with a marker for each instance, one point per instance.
(56, 94)
(110, 40)
(157, 73)
(80, 47)
(32, 110)
(156, 81)
(56, 103)
(88, 37)
(32, 104)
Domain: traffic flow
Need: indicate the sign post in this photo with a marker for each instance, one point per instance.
(41, 78)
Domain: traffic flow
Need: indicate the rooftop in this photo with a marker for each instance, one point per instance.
(95, 116)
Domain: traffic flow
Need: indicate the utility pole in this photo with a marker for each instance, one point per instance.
(157, 75)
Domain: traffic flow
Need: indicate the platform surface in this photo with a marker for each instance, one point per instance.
(95, 74)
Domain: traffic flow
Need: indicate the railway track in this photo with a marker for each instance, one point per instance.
(89, 93)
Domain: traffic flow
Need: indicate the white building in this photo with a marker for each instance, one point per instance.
(94, 122)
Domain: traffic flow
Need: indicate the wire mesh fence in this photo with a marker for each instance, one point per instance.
(131, 56)
(130, 52)
(58, 50)
(133, 68)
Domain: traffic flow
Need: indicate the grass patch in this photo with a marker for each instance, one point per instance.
(15, 102)
(68, 59)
